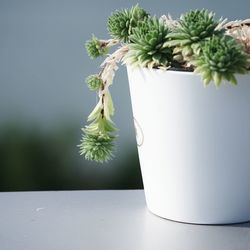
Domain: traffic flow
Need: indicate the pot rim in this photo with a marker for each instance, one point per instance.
(162, 70)
(173, 71)
(181, 72)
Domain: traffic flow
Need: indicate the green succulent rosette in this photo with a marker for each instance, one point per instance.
(147, 45)
(95, 48)
(97, 147)
(94, 82)
(121, 23)
(222, 57)
(193, 28)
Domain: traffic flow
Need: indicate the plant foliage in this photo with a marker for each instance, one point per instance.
(121, 23)
(94, 82)
(97, 147)
(221, 58)
(196, 41)
(95, 48)
(146, 48)
(193, 28)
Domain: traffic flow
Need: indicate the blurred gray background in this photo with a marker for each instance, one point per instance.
(43, 98)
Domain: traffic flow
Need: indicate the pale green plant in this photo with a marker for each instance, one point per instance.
(196, 42)
(221, 58)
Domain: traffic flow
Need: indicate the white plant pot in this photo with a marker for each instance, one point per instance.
(194, 146)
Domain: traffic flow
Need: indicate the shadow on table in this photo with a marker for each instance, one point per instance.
(244, 224)
(159, 233)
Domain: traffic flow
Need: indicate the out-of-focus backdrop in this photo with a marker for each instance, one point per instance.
(43, 98)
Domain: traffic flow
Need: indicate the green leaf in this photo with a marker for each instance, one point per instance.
(96, 111)
(108, 106)
(216, 78)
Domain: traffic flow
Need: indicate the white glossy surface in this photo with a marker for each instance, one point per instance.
(194, 146)
(103, 220)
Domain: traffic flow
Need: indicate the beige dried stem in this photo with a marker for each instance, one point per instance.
(169, 21)
(240, 30)
(109, 43)
(109, 66)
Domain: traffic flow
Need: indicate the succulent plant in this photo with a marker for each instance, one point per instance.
(95, 48)
(94, 82)
(98, 137)
(221, 58)
(194, 27)
(121, 23)
(97, 147)
(146, 47)
(213, 49)
(97, 140)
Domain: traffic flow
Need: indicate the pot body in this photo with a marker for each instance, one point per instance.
(193, 145)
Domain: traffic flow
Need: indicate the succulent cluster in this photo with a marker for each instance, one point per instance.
(194, 42)
(193, 28)
(121, 23)
(220, 59)
(97, 141)
(94, 82)
(97, 147)
(147, 45)
(95, 48)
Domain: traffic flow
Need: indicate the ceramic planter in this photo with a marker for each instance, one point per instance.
(194, 146)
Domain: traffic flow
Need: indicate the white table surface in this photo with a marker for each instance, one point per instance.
(100, 220)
